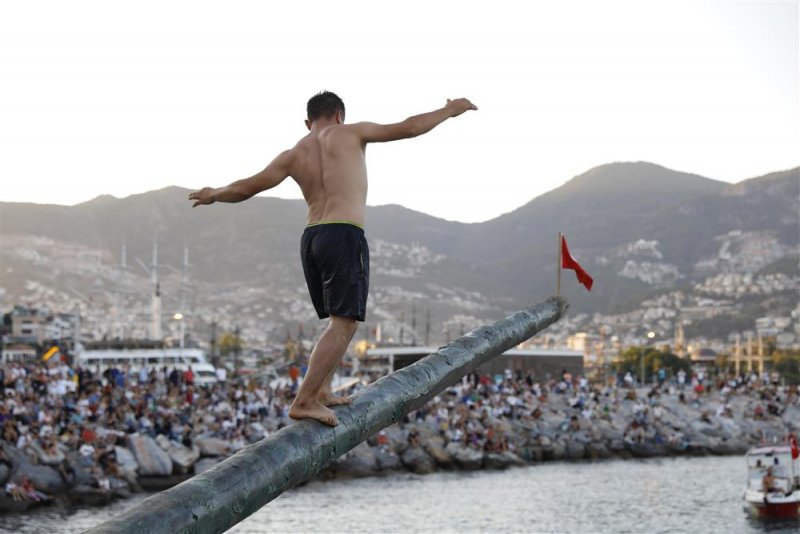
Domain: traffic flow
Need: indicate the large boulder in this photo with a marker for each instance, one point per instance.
(16, 456)
(152, 459)
(163, 441)
(213, 446)
(501, 460)
(83, 473)
(387, 459)
(791, 417)
(45, 458)
(645, 450)
(126, 459)
(119, 487)
(708, 429)
(256, 432)
(398, 437)
(10, 506)
(417, 460)
(204, 464)
(435, 447)
(557, 450)
(530, 453)
(574, 450)
(731, 446)
(597, 451)
(183, 457)
(609, 433)
(700, 444)
(582, 436)
(465, 457)
(359, 462)
(44, 478)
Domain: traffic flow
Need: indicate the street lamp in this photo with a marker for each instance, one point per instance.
(179, 317)
(650, 336)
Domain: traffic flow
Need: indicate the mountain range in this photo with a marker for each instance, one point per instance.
(637, 227)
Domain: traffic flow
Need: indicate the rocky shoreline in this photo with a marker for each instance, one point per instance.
(446, 435)
(689, 428)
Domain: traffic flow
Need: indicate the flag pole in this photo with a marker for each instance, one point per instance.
(558, 266)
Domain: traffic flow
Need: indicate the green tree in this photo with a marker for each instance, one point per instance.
(654, 359)
(787, 363)
(230, 344)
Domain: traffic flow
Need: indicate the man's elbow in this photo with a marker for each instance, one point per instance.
(412, 128)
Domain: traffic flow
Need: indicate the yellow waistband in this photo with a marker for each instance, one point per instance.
(351, 223)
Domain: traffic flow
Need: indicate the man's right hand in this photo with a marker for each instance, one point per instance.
(202, 197)
(458, 106)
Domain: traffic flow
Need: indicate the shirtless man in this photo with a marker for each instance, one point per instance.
(768, 482)
(329, 166)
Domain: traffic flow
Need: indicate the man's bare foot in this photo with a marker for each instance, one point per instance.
(326, 398)
(313, 410)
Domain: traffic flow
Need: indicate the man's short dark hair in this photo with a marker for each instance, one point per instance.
(324, 105)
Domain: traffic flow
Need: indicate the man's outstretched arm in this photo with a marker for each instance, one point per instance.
(370, 132)
(240, 190)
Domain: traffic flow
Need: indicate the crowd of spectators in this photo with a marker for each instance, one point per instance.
(476, 411)
(61, 417)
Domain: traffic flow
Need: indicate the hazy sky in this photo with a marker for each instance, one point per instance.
(122, 98)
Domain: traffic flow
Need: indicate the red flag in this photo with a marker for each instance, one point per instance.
(568, 262)
(795, 451)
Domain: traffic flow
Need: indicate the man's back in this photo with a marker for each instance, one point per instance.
(329, 166)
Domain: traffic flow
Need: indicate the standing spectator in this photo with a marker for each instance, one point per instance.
(188, 376)
(174, 377)
(222, 374)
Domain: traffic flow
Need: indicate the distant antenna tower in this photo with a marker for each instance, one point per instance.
(123, 258)
(155, 305)
(680, 338)
(119, 324)
(428, 327)
(184, 282)
(413, 324)
(156, 309)
(184, 278)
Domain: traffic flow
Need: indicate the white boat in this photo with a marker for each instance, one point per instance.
(773, 482)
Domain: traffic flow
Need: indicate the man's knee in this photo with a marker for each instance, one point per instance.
(346, 325)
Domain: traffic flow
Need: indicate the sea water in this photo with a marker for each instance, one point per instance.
(657, 495)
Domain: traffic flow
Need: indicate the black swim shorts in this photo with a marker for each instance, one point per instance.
(335, 260)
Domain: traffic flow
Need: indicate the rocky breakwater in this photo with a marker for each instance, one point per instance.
(453, 432)
(97, 477)
(453, 436)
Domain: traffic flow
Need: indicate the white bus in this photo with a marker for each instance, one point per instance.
(135, 359)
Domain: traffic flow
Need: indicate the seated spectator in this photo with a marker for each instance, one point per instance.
(86, 452)
(99, 480)
(15, 492)
(31, 492)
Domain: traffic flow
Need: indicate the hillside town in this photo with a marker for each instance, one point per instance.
(111, 297)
